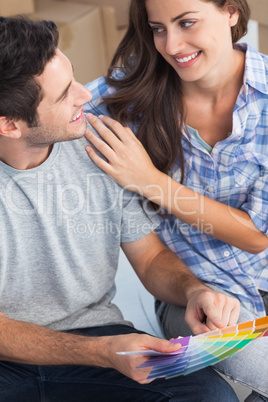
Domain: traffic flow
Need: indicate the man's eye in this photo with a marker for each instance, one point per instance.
(65, 96)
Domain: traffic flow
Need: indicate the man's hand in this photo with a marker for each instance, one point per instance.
(208, 310)
(133, 342)
(27, 343)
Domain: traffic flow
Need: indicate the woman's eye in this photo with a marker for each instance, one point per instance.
(186, 24)
(157, 30)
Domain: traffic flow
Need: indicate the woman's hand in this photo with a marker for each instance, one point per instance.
(127, 161)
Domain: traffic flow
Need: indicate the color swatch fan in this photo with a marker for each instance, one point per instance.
(203, 350)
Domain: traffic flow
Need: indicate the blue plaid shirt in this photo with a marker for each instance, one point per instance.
(234, 173)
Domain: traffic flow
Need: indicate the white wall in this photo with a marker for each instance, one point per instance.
(252, 36)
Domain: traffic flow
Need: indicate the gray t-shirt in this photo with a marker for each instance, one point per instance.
(61, 228)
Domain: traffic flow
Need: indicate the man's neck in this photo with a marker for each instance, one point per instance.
(23, 159)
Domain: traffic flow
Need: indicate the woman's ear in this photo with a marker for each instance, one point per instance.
(233, 14)
(9, 128)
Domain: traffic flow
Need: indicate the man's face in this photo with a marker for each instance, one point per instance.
(60, 113)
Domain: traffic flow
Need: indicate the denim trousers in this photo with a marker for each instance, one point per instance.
(249, 366)
(29, 383)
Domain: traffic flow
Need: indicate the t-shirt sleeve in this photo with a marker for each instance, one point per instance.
(138, 218)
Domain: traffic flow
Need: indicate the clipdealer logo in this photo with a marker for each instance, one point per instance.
(107, 227)
(43, 194)
(85, 208)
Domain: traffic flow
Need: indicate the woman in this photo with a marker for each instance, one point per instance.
(198, 103)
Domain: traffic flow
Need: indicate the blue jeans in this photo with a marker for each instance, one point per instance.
(249, 367)
(28, 383)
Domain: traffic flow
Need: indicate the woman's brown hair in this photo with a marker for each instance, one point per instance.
(149, 92)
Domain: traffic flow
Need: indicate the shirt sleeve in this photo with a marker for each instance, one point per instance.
(256, 204)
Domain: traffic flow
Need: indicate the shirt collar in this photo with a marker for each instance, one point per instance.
(256, 69)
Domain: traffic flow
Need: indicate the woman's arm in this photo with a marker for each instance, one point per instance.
(129, 164)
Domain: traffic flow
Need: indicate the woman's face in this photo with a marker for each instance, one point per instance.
(193, 36)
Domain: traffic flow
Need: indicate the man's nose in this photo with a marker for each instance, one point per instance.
(82, 94)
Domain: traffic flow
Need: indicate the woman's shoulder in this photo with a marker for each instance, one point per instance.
(99, 88)
(256, 68)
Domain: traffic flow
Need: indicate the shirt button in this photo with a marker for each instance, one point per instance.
(211, 189)
(214, 151)
(241, 180)
(238, 130)
(226, 253)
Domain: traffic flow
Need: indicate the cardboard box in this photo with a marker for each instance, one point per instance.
(263, 38)
(112, 34)
(121, 9)
(81, 35)
(259, 13)
(14, 7)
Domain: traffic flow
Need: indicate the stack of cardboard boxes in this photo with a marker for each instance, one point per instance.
(120, 7)
(88, 33)
(90, 30)
(11, 7)
(81, 35)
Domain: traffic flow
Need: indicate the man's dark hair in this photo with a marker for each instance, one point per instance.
(26, 47)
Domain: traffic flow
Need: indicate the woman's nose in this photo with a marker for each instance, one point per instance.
(174, 42)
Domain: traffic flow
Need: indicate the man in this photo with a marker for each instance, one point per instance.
(62, 222)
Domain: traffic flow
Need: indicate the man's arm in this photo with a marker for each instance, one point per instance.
(170, 280)
(27, 343)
